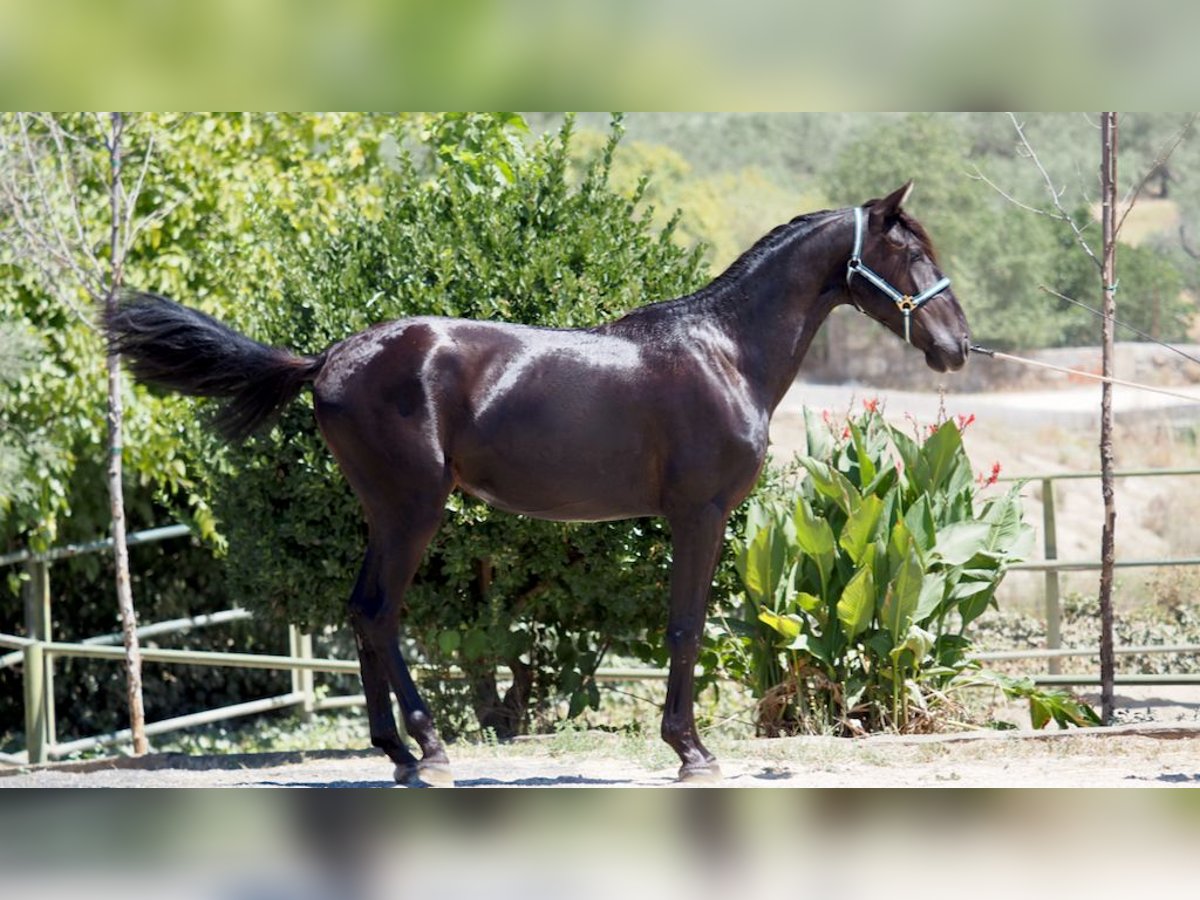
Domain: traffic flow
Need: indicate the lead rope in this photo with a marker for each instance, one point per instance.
(996, 354)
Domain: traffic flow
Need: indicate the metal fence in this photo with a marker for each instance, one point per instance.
(37, 651)
(1052, 566)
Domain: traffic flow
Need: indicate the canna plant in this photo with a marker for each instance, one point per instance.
(859, 588)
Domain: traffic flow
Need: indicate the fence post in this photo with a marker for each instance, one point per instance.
(1050, 543)
(35, 703)
(38, 624)
(301, 646)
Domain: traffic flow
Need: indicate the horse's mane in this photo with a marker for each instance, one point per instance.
(766, 246)
(796, 229)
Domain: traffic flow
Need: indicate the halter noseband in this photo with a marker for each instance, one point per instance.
(904, 302)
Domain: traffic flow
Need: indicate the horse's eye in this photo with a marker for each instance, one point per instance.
(914, 256)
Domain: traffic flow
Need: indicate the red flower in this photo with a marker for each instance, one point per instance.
(965, 421)
(986, 480)
(871, 405)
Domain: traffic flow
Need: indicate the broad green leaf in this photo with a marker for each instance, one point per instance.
(958, 542)
(880, 644)
(908, 449)
(856, 608)
(940, 454)
(866, 468)
(789, 626)
(933, 589)
(859, 531)
(884, 481)
(449, 640)
(919, 521)
(817, 647)
(918, 641)
(972, 607)
(762, 564)
(757, 516)
(810, 603)
(831, 483)
(579, 702)
(903, 595)
(1039, 712)
(965, 589)
(815, 539)
(899, 543)
(785, 590)
(949, 649)
(475, 643)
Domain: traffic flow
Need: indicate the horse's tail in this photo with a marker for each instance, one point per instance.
(183, 350)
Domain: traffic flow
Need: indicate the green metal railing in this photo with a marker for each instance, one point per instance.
(37, 651)
(1052, 566)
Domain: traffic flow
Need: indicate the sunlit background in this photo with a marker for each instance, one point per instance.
(367, 53)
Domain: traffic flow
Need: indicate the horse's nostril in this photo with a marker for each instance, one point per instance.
(966, 345)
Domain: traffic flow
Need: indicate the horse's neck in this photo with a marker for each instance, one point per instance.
(775, 312)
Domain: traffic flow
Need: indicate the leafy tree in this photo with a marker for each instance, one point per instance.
(209, 173)
(997, 254)
(502, 232)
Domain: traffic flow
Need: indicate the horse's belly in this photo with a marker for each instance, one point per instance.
(563, 485)
(585, 509)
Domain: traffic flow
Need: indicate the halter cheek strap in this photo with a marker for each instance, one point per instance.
(906, 304)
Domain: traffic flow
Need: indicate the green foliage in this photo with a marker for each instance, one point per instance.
(208, 174)
(867, 577)
(462, 238)
(1045, 705)
(999, 254)
(17, 453)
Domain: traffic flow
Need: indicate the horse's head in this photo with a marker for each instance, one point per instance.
(895, 279)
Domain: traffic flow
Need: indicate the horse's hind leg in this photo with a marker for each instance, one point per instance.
(392, 559)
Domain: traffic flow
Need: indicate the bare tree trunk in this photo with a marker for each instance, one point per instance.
(116, 493)
(1108, 179)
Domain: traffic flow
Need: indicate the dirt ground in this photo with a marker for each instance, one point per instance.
(1125, 756)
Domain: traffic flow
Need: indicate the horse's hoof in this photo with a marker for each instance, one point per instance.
(703, 773)
(425, 774)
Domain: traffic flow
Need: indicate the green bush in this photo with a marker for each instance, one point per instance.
(490, 230)
(860, 586)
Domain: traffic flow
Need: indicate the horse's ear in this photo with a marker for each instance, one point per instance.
(885, 212)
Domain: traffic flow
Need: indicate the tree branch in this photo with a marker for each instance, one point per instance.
(96, 290)
(1055, 194)
(66, 172)
(1132, 197)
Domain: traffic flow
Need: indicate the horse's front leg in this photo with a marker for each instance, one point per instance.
(696, 536)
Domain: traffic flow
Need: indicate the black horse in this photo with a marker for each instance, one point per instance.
(663, 412)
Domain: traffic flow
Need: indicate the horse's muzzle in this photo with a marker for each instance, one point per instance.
(943, 358)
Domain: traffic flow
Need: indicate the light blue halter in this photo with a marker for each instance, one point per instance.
(904, 302)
